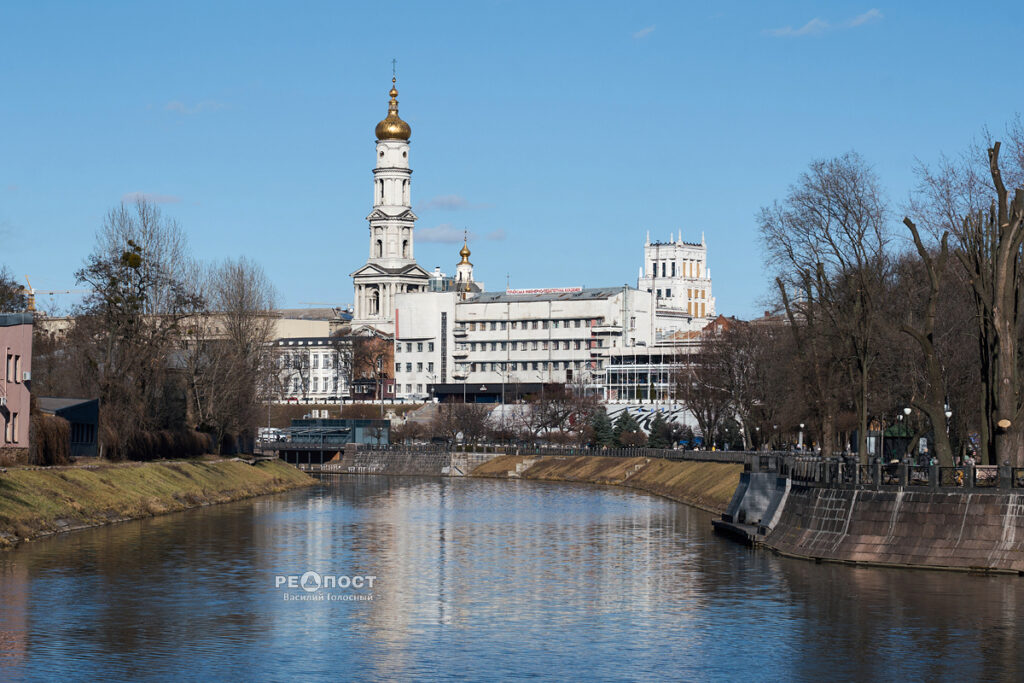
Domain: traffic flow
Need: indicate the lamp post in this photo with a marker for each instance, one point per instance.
(800, 445)
(949, 414)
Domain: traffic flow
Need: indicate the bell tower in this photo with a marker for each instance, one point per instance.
(391, 268)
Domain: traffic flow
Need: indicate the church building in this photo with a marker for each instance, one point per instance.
(391, 267)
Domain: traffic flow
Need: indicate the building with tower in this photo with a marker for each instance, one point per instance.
(677, 274)
(391, 267)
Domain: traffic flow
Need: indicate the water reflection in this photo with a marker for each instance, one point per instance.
(480, 579)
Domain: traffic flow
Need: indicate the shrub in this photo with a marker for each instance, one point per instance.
(49, 440)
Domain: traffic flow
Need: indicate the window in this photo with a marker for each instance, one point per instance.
(419, 367)
(408, 347)
(316, 384)
(14, 420)
(534, 324)
(654, 268)
(536, 366)
(494, 325)
(503, 348)
(419, 388)
(673, 269)
(408, 367)
(659, 293)
(327, 361)
(295, 385)
(632, 323)
(419, 347)
(430, 346)
(472, 367)
(544, 325)
(503, 324)
(316, 359)
(554, 324)
(663, 269)
(430, 367)
(577, 324)
(398, 368)
(668, 293)
(408, 388)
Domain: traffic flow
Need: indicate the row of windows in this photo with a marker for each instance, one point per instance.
(534, 365)
(419, 388)
(531, 324)
(542, 345)
(419, 367)
(694, 269)
(11, 428)
(13, 368)
(315, 385)
(408, 347)
(288, 360)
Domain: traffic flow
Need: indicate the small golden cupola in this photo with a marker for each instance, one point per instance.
(464, 253)
(392, 127)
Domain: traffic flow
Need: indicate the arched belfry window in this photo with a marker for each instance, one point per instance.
(380, 248)
(375, 303)
(405, 248)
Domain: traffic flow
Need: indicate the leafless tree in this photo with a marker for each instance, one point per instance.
(230, 359)
(828, 242)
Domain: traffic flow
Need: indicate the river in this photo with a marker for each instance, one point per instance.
(479, 579)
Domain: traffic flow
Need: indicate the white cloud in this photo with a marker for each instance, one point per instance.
(811, 28)
(447, 202)
(867, 17)
(445, 233)
(817, 26)
(643, 33)
(199, 107)
(151, 197)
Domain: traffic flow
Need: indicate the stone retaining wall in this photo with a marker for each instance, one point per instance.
(963, 531)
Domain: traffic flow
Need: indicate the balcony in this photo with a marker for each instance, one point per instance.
(459, 332)
(606, 329)
(460, 353)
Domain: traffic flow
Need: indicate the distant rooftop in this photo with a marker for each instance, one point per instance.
(582, 295)
(12, 319)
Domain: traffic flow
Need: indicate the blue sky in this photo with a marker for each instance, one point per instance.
(557, 133)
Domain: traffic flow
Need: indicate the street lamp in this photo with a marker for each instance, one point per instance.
(800, 445)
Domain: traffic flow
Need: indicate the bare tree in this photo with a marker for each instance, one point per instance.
(231, 366)
(828, 243)
(12, 295)
(133, 318)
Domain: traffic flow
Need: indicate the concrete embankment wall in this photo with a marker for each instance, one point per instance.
(707, 485)
(963, 531)
(420, 464)
(40, 501)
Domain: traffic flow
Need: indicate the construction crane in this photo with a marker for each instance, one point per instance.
(31, 292)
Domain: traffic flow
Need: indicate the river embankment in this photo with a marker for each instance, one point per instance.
(36, 502)
(978, 532)
(706, 485)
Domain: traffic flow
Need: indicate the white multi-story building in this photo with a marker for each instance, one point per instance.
(391, 268)
(312, 368)
(455, 335)
(676, 273)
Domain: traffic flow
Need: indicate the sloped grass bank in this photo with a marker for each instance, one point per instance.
(39, 502)
(707, 485)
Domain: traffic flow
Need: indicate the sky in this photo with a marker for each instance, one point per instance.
(557, 134)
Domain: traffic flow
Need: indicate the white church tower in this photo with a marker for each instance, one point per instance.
(676, 273)
(390, 268)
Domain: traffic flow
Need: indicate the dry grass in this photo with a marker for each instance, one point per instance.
(35, 502)
(707, 485)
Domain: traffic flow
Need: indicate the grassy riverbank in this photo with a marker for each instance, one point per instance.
(707, 485)
(38, 502)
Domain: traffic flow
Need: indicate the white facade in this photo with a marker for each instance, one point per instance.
(312, 369)
(677, 274)
(391, 268)
(506, 338)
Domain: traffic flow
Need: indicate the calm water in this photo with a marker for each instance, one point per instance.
(480, 579)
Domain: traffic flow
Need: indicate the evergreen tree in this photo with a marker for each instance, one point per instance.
(602, 426)
(624, 424)
(661, 433)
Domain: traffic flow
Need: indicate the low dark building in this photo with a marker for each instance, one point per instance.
(84, 418)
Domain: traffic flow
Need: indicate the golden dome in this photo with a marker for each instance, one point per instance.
(464, 252)
(392, 127)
